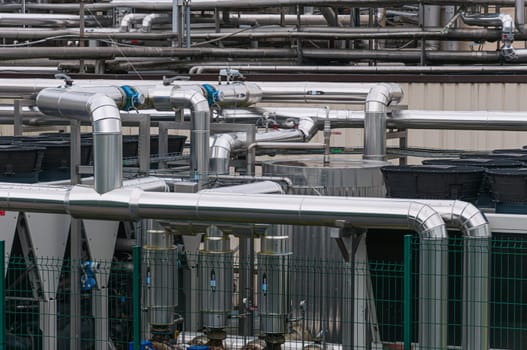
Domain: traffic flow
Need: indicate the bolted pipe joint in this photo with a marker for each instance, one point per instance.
(375, 110)
(240, 94)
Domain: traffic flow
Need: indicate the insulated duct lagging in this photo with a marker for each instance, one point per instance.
(132, 204)
(375, 114)
(197, 99)
(502, 20)
(105, 118)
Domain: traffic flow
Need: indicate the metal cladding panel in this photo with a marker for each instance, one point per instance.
(49, 234)
(322, 289)
(8, 223)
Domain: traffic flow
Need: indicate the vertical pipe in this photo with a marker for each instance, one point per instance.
(136, 297)
(187, 25)
(175, 16)
(2, 295)
(476, 294)
(75, 293)
(433, 291)
(407, 302)
(75, 151)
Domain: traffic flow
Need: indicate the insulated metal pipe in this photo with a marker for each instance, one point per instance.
(132, 204)
(169, 98)
(476, 269)
(154, 18)
(129, 19)
(519, 11)
(105, 118)
(375, 114)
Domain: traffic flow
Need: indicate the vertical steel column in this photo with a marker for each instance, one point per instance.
(144, 145)
(407, 301)
(18, 118)
(75, 242)
(136, 297)
(100, 306)
(75, 292)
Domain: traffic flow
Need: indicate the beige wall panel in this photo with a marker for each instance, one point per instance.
(467, 97)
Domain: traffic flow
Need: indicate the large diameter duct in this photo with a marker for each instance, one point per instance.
(476, 269)
(126, 204)
(216, 278)
(375, 114)
(160, 279)
(105, 118)
(169, 98)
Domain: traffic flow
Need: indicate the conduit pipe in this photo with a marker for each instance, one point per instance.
(375, 114)
(397, 119)
(105, 118)
(154, 18)
(519, 11)
(129, 19)
(170, 98)
(501, 20)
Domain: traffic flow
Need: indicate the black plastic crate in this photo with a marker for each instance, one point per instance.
(433, 181)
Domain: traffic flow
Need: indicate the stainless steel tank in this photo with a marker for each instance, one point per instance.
(273, 284)
(322, 289)
(216, 279)
(160, 271)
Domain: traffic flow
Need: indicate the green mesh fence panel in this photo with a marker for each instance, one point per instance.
(378, 287)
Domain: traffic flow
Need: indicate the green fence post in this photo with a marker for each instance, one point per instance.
(136, 295)
(407, 302)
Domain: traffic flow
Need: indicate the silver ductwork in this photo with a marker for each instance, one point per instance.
(128, 20)
(132, 204)
(154, 18)
(502, 20)
(170, 98)
(105, 119)
(476, 269)
(375, 114)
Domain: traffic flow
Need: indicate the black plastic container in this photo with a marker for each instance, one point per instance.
(433, 181)
(509, 189)
(485, 198)
(175, 144)
(56, 160)
(20, 163)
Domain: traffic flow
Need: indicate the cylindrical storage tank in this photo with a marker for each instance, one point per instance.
(433, 182)
(273, 284)
(216, 280)
(343, 177)
(160, 271)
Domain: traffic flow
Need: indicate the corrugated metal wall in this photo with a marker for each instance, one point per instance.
(461, 97)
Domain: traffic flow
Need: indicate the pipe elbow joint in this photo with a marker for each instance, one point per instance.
(427, 222)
